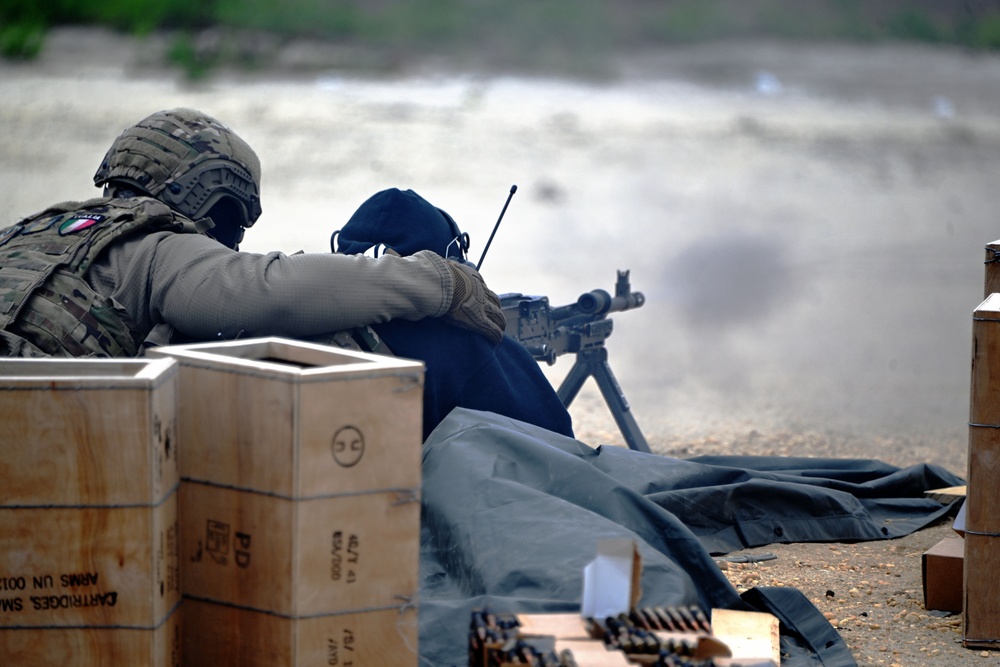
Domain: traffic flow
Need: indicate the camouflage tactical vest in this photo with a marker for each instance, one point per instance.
(46, 306)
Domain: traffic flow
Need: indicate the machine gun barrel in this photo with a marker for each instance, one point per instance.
(598, 302)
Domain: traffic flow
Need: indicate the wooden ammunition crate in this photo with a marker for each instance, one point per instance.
(89, 539)
(296, 419)
(59, 647)
(87, 431)
(981, 586)
(300, 558)
(217, 635)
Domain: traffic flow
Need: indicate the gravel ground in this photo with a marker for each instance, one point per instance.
(806, 222)
(873, 594)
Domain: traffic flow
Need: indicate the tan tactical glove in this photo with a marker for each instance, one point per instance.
(473, 305)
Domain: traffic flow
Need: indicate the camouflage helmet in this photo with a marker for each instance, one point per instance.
(189, 161)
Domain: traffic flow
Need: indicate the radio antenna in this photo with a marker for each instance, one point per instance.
(513, 189)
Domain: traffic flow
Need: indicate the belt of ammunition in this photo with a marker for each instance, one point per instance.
(494, 641)
(633, 632)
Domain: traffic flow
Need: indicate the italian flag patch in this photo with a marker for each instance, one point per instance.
(79, 222)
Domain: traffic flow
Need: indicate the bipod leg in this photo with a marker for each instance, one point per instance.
(594, 362)
(574, 380)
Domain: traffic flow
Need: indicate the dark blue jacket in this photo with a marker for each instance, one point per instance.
(463, 369)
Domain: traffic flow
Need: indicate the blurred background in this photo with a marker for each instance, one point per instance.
(801, 189)
(581, 37)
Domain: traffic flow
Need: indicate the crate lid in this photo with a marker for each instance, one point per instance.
(59, 373)
(288, 359)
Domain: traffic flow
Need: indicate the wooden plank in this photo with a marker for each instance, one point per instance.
(71, 427)
(346, 422)
(224, 635)
(89, 566)
(984, 404)
(982, 489)
(561, 626)
(299, 557)
(750, 635)
(981, 587)
(591, 653)
(981, 593)
(947, 495)
(58, 647)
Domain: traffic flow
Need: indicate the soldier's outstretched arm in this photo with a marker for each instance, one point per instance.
(207, 291)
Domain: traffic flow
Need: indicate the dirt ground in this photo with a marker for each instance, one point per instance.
(806, 222)
(873, 594)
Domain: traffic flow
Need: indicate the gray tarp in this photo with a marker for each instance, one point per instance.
(512, 513)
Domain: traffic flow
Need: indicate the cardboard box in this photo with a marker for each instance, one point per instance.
(297, 420)
(942, 567)
(72, 428)
(300, 558)
(224, 635)
(612, 581)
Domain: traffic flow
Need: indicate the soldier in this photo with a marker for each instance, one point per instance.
(156, 260)
(463, 370)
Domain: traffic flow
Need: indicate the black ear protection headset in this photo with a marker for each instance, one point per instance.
(459, 239)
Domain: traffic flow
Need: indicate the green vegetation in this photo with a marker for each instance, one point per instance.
(542, 34)
(22, 41)
(984, 33)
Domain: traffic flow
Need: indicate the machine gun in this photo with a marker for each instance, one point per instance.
(580, 328)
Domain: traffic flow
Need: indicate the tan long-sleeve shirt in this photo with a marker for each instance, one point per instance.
(206, 291)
